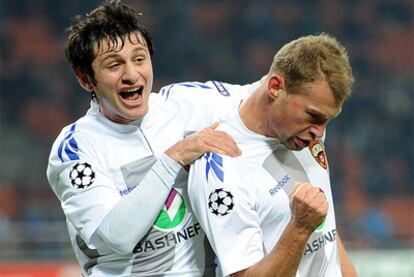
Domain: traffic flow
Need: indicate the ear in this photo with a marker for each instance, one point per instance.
(84, 80)
(275, 85)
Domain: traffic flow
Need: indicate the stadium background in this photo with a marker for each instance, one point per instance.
(370, 146)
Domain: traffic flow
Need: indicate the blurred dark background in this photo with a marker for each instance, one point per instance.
(370, 146)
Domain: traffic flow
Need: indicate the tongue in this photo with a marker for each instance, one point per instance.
(132, 96)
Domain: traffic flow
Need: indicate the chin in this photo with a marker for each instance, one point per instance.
(137, 113)
(292, 146)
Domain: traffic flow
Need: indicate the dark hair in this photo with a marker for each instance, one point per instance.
(110, 21)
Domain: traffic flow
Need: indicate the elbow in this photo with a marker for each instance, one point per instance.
(118, 243)
(122, 248)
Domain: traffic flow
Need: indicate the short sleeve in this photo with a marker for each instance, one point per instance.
(226, 210)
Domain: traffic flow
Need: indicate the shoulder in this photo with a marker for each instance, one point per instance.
(202, 91)
(215, 170)
(221, 184)
(78, 137)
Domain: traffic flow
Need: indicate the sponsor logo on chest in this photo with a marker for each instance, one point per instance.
(280, 184)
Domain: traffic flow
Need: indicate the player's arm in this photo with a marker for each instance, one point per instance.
(136, 211)
(147, 199)
(348, 269)
(309, 208)
(96, 208)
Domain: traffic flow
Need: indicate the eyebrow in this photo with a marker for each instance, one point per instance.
(317, 114)
(320, 116)
(114, 54)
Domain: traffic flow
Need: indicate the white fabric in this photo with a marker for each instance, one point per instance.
(155, 186)
(259, 181)
(119, 198)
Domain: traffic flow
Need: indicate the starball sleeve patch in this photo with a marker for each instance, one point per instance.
(220, 202)
(82, 175)
(318, 152)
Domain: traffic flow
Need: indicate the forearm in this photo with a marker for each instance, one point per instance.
(284, 258)
(348, 269)
(132, 217)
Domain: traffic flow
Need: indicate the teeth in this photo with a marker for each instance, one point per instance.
(131, 93)
(131, 90)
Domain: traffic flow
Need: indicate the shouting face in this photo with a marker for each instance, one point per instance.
(122, 79)
(300, 118)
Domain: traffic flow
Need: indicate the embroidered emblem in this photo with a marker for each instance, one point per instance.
(318, 152)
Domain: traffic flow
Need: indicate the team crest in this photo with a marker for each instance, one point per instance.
(318, 152)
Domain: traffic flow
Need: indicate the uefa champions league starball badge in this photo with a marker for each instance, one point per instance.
(220, 202)
(82, 175)
(318, 152)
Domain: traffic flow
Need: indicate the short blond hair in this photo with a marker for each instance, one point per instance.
(311, 58)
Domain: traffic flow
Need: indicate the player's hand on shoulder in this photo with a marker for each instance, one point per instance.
(309, 207)
(193, 146)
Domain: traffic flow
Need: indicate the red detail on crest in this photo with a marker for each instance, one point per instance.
(318, 152)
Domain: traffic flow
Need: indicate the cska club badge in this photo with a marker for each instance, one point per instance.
(318, 152)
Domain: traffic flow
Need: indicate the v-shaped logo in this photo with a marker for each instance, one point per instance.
(173, 212)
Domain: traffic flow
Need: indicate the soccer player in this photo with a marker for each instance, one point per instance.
(269, 212)
(114, 169)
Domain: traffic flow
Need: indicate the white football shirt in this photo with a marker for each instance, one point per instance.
(95, 162)
(243, 205)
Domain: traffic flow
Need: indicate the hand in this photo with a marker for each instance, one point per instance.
(207, 140)
(309, 207)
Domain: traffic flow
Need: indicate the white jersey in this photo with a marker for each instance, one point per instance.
(95, 162)
(243, 205)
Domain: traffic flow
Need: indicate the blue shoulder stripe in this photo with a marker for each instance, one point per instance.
(69, 146)
(221, 88)
(214, 162)
(165, 91)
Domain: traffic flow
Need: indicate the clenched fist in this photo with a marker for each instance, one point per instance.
(309, 207)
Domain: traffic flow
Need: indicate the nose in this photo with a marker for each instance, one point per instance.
(130, 74)
(317, 131)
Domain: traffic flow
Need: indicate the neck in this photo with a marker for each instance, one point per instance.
(253, 111)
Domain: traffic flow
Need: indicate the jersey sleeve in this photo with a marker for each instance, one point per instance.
(80, 181)
(226, 211)
(202, 104)
(91, 201)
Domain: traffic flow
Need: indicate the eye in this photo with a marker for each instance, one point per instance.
(312, 115)
(113, 65)
(140, 59)
(316, 118)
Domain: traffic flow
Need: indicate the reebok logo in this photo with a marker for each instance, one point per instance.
(279, 185)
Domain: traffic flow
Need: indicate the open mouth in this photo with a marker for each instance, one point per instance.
(302, 143)
(132, 94)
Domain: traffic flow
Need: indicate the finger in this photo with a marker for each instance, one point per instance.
(322, 199)
(223, 141)
(219, 151)
(224, 149)
(214, 125)
(297, 188)
(326, 208)
(314, 194)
